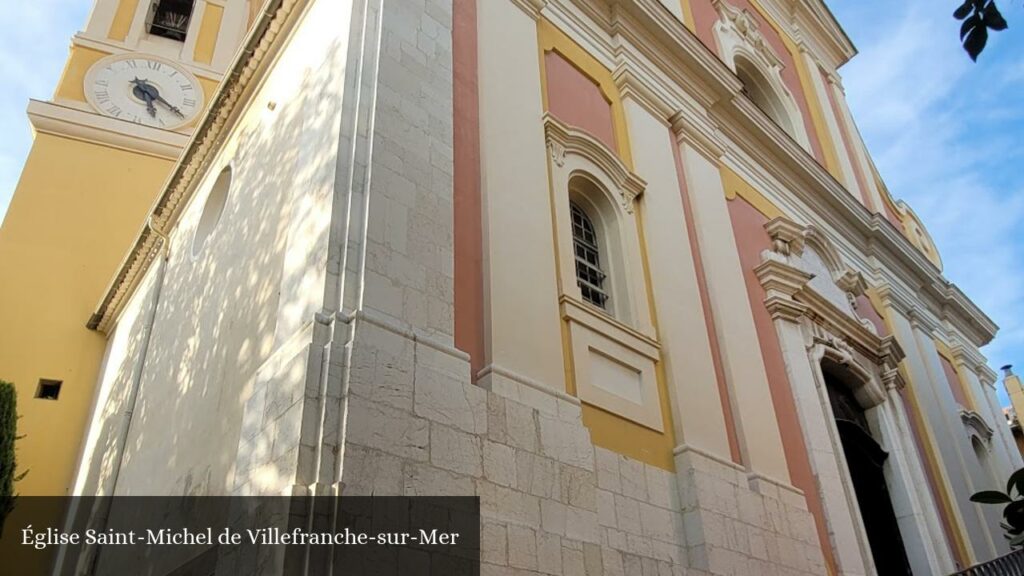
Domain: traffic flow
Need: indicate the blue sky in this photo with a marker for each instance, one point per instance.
(944, 132)
(946, 135)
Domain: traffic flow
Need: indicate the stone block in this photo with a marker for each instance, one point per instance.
(368, 472)
(496, 431)
(566, 442)
(578, 487)
(661, 488)
(425, 480)
(522, 547)
(493, 543)
(537, 475)
(450, 401)
(553, 516)
(627, 515)
(499, 463)
(611, 563)
(521, 426)
(582, 525)
(593, 559)
(389, 430)
(634, 478)
(455, 451)
(504, 504)
(656, 523)
(549, 553)
(606, 509)
(607, 466)
(572, 562)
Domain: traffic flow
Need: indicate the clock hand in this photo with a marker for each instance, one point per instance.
(154, 95)
(169, 106)
(149, 104)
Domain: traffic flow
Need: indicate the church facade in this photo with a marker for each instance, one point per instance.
(623, 269)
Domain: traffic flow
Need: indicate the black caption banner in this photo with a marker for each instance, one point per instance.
(229, 536)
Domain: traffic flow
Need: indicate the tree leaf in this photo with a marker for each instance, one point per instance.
(963, 10)
(993, 19)
(1016, 480)
(991, 497)
(975, 42)
(968, 25)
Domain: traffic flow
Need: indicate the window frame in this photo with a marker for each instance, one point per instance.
(585, 267)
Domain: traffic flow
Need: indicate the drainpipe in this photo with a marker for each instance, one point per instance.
(89, 560)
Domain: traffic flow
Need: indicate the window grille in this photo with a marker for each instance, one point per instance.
(589, 276)
(170, 18)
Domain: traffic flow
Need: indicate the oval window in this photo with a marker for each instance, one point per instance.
(212, 210)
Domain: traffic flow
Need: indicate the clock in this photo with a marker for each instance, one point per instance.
(145, 90)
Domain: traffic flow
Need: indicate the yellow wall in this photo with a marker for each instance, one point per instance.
(208, 32)
(123, 19)
(70, 223)
(72, 80)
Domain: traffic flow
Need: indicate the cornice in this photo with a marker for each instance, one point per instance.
(814, 19)
(112, 47)
(532, 8)
(77, 124)
(747, 128)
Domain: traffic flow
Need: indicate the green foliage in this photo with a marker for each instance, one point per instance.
(1013, 511)
(978, 16)
(8, 435)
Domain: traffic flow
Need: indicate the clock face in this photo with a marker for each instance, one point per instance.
(143, 90)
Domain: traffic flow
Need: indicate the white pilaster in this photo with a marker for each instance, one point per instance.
(686, 346)
(756, 421)
(521, 319)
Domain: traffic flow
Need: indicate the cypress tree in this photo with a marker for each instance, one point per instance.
(8, 434)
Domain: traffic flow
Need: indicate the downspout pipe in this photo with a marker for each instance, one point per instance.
(89, 560)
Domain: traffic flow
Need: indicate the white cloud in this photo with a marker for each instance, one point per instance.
(944, 133)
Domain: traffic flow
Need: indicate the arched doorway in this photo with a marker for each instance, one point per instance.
(865, 458)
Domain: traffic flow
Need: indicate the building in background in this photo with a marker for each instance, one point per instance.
(622, 268)
(1014, 389)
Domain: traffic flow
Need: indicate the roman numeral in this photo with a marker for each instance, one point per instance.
(115, 110)
(153, 65)
(132, 64)
(103, 96)
(103, 83)
(186, 88)
(188, 102)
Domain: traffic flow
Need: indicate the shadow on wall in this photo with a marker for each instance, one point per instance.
(216, 321)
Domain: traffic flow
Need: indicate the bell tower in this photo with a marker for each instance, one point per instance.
(136, 82)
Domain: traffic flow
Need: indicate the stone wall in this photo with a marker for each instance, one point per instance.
(552, 502)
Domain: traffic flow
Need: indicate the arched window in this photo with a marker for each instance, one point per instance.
(761, 93)
(590, 276)
(212, 210)
(981, 453)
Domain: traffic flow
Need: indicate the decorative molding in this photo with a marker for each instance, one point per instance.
(700, 133)
(976, 424)
(787, 236)
(563, 140)
(525, 381)
(741, 23)
(77, 124)
(790, 295)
